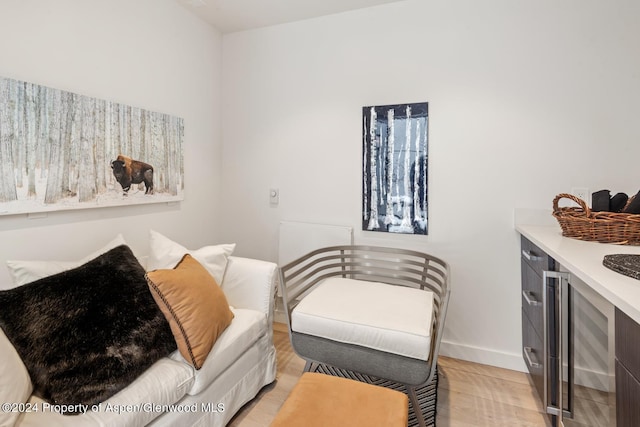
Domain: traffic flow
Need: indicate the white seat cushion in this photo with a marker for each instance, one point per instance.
(393, 319)
(245, 329)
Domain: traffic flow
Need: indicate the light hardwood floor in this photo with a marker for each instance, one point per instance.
(469, 394)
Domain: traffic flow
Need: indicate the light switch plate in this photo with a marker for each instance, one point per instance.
(274, 196)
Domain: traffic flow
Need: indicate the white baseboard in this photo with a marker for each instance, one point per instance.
(484, 356)
(584, 377)
(591, 378)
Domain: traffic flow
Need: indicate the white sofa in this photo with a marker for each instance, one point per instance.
(172, 392)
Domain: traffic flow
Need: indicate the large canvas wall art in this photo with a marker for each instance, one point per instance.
(60, 150)
(394, 168)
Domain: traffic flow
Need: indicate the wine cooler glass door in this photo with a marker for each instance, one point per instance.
(581, 374)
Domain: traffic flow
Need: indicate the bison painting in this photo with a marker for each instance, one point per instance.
(128, 171)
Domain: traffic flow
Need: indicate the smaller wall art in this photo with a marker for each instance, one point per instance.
(60, 150)
(394, 168)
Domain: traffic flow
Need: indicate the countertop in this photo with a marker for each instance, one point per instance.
(584, 259)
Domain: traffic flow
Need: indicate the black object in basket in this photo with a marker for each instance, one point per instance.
(626, 264)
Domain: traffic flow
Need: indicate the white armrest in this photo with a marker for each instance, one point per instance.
(250, 283)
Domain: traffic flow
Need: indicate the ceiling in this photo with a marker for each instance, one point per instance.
(238, 15)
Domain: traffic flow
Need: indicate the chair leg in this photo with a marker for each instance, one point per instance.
(411, 391)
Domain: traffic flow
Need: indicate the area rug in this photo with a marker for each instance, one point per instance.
(427, 395)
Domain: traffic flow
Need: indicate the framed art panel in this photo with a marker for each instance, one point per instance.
(394, 168)
(60, 150)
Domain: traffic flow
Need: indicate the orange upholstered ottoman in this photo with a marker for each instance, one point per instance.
(320, 400)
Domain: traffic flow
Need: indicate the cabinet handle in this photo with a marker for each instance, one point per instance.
(557, 334)
(528, 297)
(530, 255)
(530, 362)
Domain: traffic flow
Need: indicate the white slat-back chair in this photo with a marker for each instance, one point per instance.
(374, 312)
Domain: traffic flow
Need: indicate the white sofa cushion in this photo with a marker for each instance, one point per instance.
(23, 272)
(15, 384)
(45, 417)
(164, 383)
(165, 253)
(389, 318)
(250, 283)
(245, 329)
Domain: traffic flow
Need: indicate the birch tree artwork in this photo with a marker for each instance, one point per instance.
(394, 168)
(57, 149)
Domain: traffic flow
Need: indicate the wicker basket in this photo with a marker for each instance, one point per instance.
(604, 227)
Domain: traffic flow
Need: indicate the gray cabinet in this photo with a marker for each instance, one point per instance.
(627, 371)
(533, 263)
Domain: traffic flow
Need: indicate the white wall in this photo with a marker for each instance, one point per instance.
(151, 54)
(526, 100)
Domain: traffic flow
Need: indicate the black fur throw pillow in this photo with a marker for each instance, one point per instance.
(86, 333)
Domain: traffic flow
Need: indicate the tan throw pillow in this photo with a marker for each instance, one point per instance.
(194, 305)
